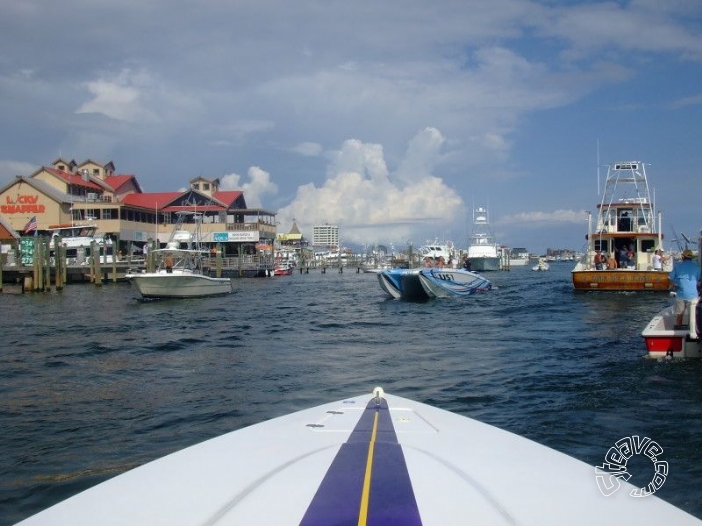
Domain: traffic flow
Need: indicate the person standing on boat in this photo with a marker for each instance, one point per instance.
(685, 281)
(168, 263)
(657, 260)
(611, 262)
(623, 257)
(599, 260)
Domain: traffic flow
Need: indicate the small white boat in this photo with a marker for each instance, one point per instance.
(427, 283)
(179, 273)
(664, 339)
(180, 282)
(541, 265)
(375, 459)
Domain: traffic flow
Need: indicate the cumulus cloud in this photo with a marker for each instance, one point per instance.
(258, 186)
(368, 203)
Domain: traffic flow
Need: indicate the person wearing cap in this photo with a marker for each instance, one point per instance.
(685, 280)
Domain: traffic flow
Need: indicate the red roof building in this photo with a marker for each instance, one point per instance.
(68, 192)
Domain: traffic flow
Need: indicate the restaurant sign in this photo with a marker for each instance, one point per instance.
(236, 237)
(22, 204)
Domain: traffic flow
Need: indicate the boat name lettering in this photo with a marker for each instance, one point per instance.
(445, 277)
(622, 278)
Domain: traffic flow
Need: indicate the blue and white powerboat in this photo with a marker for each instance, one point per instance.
(426, 283)
(375, 459)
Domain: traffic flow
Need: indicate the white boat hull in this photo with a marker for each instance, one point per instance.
(373, 459)
(665, 340)
(518, 262)
(178, 284)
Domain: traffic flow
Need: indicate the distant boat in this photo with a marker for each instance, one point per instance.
(369, 269)
(519, 257)
(627, 228)
(283, 269)
(427, 283)
(438, 254)
(179, 270)
(483, 253)
(77, 239)
(542, 265)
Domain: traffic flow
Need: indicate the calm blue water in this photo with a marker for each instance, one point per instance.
(94, 382)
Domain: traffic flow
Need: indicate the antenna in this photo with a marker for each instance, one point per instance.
(598, 166)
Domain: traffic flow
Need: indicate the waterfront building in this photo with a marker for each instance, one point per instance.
(325, 236)
(292, 248)
(67, 193)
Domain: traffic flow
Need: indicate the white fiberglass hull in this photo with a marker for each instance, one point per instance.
(666, 340)
(373, 459)
(484, 263)
(178, 284)
(519, 262)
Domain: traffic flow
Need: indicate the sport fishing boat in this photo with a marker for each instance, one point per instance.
(77, 240)
(438, 254)
(665, 339)
(179, 267)
(426, 283)
(626, 227)
(483, 253)
(375, 459)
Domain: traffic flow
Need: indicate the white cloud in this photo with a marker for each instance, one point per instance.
(136, 96)
(117, 98)
(308, 149)
(368, 204)
(258, 186)
(422, 155)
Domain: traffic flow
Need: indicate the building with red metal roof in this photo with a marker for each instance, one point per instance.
(70, 193)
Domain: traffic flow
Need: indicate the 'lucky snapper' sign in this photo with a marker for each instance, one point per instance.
(24, 204)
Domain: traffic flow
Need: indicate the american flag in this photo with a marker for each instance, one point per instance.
(31, 226)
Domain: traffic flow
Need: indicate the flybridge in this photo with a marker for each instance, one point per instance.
(626, 166)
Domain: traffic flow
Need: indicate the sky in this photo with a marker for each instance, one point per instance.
(392, 119)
